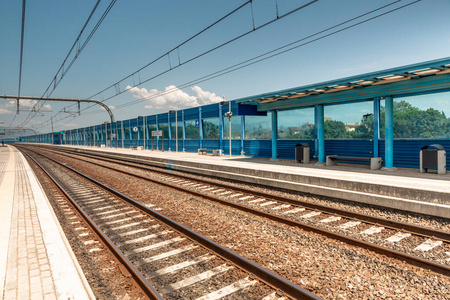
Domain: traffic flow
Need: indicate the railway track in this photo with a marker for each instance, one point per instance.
(166, 259)
(377, 234)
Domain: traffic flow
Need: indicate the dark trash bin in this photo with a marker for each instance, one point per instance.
(302, 153)
(433, 157)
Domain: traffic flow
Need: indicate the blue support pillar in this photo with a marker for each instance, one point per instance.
(220, 127)
(319, 125)
(184, 130)
(157, 128)
(274, 134)
(376, 126)
(170, 130)
(242, 134)
(200, 127)
(316, 141)
(389, 132)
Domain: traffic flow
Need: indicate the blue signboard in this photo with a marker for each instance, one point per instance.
(135, 129)
(197, 123)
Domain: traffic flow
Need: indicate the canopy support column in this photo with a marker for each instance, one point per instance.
(376, 126)
(389, 132)
(274, 134)
(319, 127)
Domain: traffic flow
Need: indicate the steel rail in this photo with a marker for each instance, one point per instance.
(146, 287)
(268, 277)
(413, 260)
(417, 230)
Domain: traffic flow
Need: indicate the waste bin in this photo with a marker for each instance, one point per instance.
(433, 157)
(302, 153)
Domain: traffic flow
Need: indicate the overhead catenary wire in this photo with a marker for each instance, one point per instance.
(22, 34)
(273, 53)
(116, 84)
(266, 55)
(63, 68)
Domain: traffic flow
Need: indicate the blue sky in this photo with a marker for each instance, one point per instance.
(136, 32)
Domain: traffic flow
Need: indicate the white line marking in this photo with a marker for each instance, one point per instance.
(168, 254)
(349, 224)
(245, 198)
(256, 201)
(194, 279)
(311, 214)
(232, 288)
(180, 266)
(224, 193)
(295, 210)
(281, 206)
(330, 219)
(157, 245)
(398, 237)
(268, 203)
(235, 195)
(428, 245)
(131, 224)
(151, 236)
(372, 230)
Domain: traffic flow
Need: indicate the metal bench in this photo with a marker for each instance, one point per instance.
(214, 152)
(375, 162)
(137, 148)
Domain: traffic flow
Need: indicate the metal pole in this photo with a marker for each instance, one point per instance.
(121, 127)
(229, 124)
(176, 131)
(145, 136)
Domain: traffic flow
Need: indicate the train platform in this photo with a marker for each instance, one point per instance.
(36, 261)
(399, 188)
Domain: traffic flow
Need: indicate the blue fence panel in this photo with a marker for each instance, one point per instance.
(235, 147)
(191, 114)
(259, 148)
(191, 145)
(211, 144)
(211, 111)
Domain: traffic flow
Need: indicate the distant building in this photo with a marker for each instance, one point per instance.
(351, 126)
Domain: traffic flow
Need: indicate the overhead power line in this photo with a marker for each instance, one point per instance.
(278, 51)
(78, 47)
(272, 53)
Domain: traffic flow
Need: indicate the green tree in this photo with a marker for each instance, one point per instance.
(335, 130)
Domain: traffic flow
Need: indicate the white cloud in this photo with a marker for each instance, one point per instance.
(31, 103)
(173, 98)
(5, 112)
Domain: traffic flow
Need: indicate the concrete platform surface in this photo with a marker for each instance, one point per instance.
(36, 261)
(404, 189)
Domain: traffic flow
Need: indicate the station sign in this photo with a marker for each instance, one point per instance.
(157, 133)
(197, 123)
(2, 133)
(113, 135)
(2, 122)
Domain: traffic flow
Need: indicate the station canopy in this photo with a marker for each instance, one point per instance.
(421, 78)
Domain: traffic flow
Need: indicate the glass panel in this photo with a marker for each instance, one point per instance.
(258, 127)
(422, 117)
(235, 127)
(349, 121)
(126, 133)
(192, 132)
(210, 128)
(165, 129)
(296, 124)
(180, 130)
(134, 135)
